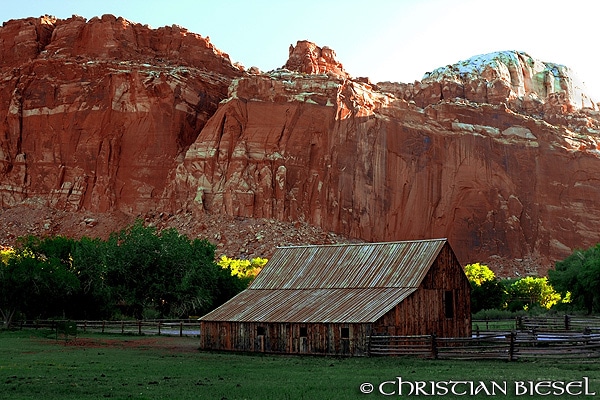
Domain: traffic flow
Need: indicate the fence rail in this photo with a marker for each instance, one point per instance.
(508, 346)
(552, 323)
(187, 327)
(529, 337)
(560, 323)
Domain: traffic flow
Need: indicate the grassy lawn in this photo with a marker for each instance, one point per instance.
(33, 365)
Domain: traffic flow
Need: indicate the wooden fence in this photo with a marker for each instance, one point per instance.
(187, 327)
(553, 323)
(563, 337)
(559, 323)
(507, 346)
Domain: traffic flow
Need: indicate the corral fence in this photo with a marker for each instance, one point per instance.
(506, 346)
(565, 323)
(185, 327)
(559, 323)
(524, 337)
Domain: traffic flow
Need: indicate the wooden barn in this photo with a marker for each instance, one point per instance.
(328, 299)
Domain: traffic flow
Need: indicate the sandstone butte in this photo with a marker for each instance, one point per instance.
(105, 120)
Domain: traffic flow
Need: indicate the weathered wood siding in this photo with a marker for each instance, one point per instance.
(285, 337)
(424, 312)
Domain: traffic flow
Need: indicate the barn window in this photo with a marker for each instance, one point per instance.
(303, 331)
(449, 304)
(345, 333)
(260, 330)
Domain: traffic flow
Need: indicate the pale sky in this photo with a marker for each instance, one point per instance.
(395, 40)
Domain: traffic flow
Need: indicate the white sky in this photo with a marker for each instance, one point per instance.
(395, 40)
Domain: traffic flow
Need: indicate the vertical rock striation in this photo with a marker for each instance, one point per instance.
(96, 112)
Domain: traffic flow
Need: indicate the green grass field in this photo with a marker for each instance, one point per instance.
(34, 365)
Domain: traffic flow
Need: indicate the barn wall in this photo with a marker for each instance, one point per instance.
(424, 312)
(284, 337)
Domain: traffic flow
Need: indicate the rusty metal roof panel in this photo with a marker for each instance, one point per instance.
(351, 283)
(370, 265)
(310, 305)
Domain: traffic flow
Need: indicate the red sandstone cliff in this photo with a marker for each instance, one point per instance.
(96, 112)
(499, 153)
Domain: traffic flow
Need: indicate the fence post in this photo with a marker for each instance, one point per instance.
(103, 325)
(434, 350)
(567, 322)
(511, 347)
(84, 326)
(139, 327)
(159, 327)
(122, 327)
(180, 328)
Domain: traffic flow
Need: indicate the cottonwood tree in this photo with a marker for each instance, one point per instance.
(531, 291)
(579, 274)
(34, 285)
(138, 272)
(164, 273)
(487, 292)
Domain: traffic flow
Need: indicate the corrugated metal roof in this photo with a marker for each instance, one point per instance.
(309, 305)
(353, 283)
(370, 265)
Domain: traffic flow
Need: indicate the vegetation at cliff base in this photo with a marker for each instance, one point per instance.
(579, 274)
(137, 272)
(488, 292)
(573, 285)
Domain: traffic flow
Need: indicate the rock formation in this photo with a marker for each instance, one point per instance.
(499, 153)
(308, 58)
(369, 161)
(96, 112)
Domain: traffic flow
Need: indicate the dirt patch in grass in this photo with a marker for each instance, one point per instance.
(171, 344)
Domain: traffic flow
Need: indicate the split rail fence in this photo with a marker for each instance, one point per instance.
(508, 346)
(525, 337)
(529, 337)
(188, 327)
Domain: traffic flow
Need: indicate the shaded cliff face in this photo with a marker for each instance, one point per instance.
(96, 112)
(114, 118)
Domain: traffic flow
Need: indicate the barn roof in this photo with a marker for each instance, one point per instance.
(346, 283)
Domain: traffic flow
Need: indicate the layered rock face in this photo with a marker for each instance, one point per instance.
(500, 153)
(369, 163)
(96, 112)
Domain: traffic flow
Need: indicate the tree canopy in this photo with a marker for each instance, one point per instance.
(487, 292)
(38, 283)
(579, 274)
(137, 272)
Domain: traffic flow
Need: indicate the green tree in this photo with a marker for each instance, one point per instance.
(245, 270)
(478, 273)
(34, 285)
(579, 274)
(529, 291)
(487, 292)
(164, 273)
(138, 272)
(93, 299)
